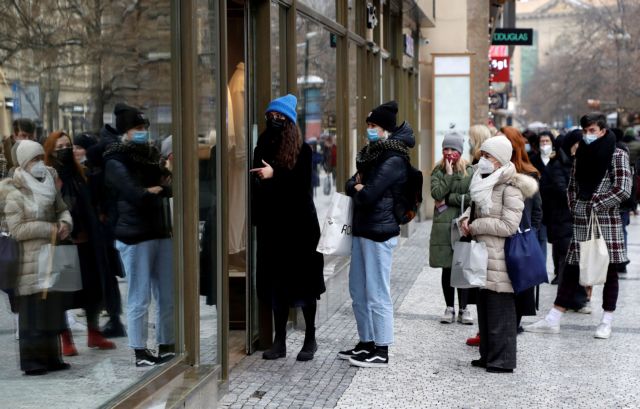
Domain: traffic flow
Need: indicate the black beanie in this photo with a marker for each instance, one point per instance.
(85, 140)
(384, 116)
(128, 117)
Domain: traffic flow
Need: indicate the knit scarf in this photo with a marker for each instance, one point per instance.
(139, 154)
(592, 163)
(44, 192)
(481, 188)
(373, 151)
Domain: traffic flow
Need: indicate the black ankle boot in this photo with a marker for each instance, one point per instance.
(277, 350)
(308, 350)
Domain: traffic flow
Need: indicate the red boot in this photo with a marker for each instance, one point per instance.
(96, 340)
(68, 347)
(474, 341)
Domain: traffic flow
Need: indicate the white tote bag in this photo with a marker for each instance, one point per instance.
(59, 268)
(594, 256)
(469, 265)
(336, 236)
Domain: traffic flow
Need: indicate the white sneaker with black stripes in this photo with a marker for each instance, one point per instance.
(378, 358)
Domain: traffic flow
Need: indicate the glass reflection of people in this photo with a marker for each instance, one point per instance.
(23, 129)
(289, 270)
(85, 235)
(34, 213)
(139, 187)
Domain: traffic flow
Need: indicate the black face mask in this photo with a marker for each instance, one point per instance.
(275, 124)
(65, 156)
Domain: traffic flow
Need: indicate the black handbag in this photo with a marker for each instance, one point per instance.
(9, 262)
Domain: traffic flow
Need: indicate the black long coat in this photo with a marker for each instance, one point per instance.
(289, 269)
(555, 205)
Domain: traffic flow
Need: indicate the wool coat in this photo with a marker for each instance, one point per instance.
(453, 189)
(500, 222)
(614, 188)
(555, 206)
(289, 269)
(31, 226)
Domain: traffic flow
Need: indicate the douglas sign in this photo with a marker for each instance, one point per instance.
(512, 36)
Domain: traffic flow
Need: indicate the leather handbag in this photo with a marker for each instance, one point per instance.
(9, 262)
(526, 265)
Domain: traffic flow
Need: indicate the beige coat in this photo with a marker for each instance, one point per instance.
(31, 225)
(501, 222)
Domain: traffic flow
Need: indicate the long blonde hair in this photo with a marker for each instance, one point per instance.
(477, 135)
(459, 167)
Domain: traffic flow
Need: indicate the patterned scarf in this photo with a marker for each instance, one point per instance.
(139, 154)
(373, 151)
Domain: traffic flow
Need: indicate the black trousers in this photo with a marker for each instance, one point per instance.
(449, 292)
(559, 250)
(497, 322)
(40, 322)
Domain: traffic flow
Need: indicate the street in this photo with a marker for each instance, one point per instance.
(429, 363)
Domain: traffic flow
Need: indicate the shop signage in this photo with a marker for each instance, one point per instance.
(500, 69)
(512, 36)
(498, 101)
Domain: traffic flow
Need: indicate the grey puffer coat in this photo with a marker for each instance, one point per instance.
(31, 226)
(501, 222)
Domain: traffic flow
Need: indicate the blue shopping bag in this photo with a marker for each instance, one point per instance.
(526, 265)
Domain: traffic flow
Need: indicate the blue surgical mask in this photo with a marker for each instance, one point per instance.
(527, 147)
(590, 137)
(372, 135)
(140, 137)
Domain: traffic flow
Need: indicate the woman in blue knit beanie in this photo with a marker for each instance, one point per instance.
(289, 270)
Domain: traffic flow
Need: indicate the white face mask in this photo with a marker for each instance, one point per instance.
(546, 150)
(485, 166)
(38, 170)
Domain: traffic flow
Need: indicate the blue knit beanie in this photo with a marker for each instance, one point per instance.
(286, 106)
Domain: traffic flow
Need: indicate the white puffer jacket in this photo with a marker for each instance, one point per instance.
(501, 222)
(30, 225)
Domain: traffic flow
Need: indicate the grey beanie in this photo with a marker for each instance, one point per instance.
(454, 141)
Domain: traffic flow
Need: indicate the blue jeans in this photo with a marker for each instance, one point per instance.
(370, 289)
(626, 219)
(149, 269)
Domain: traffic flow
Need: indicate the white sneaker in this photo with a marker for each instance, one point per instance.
(543, 327)
(449, 316)
(603, 331)
(465, 317)
(586, 309)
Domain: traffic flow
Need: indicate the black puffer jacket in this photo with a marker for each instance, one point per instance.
(137, 215)
(373, 213)
(553, 189)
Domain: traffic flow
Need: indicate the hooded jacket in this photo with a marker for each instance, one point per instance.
(373, 206)
(500, 222)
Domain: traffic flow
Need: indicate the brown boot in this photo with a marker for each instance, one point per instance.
(68, 347)
(96, 340)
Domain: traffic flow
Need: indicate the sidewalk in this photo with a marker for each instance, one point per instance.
(430, 364)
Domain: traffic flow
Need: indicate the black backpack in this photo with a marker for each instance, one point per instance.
(409, 196)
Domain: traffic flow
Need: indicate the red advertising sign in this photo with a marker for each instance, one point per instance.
(500, 69)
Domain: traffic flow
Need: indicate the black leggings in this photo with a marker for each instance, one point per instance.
(449, 293)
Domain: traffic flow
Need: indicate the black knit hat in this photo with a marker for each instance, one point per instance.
(85, 140)
(128, 117)
(384, 116)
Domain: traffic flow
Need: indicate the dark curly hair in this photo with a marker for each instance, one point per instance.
(290, 146)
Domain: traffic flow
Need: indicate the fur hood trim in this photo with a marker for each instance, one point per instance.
(527, 184)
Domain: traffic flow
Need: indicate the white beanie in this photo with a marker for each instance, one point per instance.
(499, 147)
(27, 151)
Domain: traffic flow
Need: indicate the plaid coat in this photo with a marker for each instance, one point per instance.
(614, 189)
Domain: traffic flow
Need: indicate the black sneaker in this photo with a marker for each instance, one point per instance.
(114, 329)
(166, 352)
(378, 358)
(146, 358)
(363, 348)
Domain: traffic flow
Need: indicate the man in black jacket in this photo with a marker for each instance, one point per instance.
(139, 188)
(382, 170)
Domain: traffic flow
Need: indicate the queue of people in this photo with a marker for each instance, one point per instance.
(107, 196)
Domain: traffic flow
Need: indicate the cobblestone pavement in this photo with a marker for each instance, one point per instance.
(430, 364)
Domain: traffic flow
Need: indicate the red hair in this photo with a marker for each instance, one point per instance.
(519, 156)
(50, 147)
